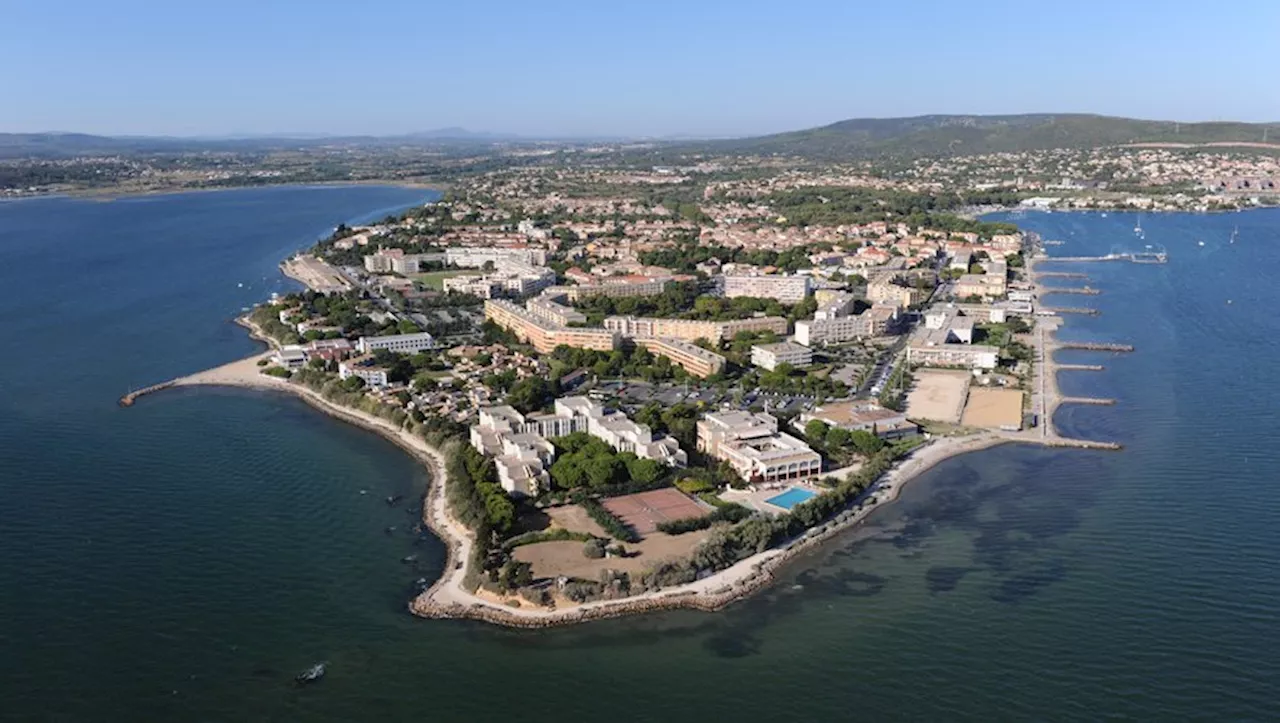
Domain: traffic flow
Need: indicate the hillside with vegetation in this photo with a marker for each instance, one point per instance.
(939, 135)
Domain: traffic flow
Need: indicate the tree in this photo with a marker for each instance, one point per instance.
(353, 383)
(865, 442)
(567, 472)
(529, 395)
(837, 437)
(815, 431)
(604, 470)
(644, 471)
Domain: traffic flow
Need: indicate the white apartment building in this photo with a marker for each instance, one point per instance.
(399, 343)
(787, 289)
(362, 366)
(757, 451)
(549, 310)
(520, 447)
(832, 331)
(475, 257)
(769, 356)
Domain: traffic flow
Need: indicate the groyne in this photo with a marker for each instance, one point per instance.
(1094, 346)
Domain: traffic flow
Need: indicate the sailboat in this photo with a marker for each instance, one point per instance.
(1137, 230)
(1235, 232)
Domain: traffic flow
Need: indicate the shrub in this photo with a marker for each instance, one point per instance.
(728, 512)
(692, 485)
(608, 521)
(594, 549)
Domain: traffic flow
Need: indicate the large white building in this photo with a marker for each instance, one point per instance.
(787, 289)
(509, 278)
(770, 356)
(474, 257)
(757, 451)
(548, 309)
(946, 339)
(363, 367)
(876, 321)
(520, 447)
(399, 343)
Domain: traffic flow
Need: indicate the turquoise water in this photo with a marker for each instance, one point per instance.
(183, 559)
(791, 498)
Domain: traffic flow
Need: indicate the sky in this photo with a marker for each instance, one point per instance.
(655, 68)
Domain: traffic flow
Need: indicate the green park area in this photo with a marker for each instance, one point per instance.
(435, 279)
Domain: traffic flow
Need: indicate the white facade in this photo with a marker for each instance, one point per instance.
(522, 453)
(787, 289)
(399, 343)
(477, 256)
(361, 367)
(769, 356)
(757, 451)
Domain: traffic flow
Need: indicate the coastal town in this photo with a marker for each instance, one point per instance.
(637, 389)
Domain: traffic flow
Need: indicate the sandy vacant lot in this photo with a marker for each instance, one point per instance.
(551, 559)
(575, 519)
(938, 395)
(1001, 408)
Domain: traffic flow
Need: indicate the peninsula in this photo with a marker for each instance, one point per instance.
(645, 389)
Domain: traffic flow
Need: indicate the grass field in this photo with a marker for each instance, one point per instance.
(435, 279)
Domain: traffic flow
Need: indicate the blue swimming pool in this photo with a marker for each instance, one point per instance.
(791, 498)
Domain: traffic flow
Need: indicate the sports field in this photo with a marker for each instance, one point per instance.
(435, 279)
(937, 396)
(645, 510)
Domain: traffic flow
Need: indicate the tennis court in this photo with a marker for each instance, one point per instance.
(643, 511)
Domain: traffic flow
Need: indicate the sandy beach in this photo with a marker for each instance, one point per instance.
(448, 598)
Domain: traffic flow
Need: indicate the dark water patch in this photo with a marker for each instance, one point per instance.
(1028, 580)
(942, 579)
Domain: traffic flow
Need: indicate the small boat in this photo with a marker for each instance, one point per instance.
(408, 559)
(1235, 232)
(1202, 243)
(394, 500)
(310, 675)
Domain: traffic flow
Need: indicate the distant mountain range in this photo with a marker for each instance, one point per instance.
(928, 135)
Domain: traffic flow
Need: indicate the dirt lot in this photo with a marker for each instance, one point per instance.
(551, 559)
(644, 511)
(1000, 408)
(938, 395)
(575, 519)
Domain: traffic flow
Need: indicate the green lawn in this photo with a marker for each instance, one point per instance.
(435, 279)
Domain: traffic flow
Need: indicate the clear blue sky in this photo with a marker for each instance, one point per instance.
(197, 67)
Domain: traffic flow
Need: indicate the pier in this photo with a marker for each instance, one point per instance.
(1146, 257)
(128, 399)
(1080, 367)
(1070, 310)
(1082, 290)
(1061, 275)
(1087, 400)
(1094, 346)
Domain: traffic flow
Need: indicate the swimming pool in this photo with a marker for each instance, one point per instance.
(791, 498)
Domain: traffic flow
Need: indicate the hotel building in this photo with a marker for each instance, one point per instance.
(757, 451)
